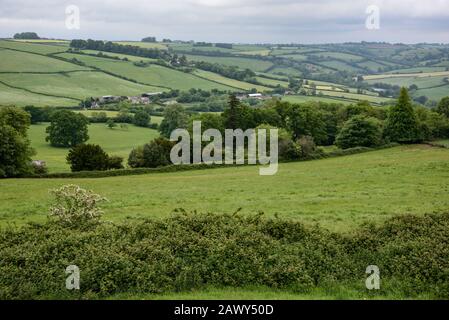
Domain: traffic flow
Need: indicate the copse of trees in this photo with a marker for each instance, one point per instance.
(27, 36)
(149, 39)
(67, 129)
(142, 119)
(175, 117)
(15, 149)
(151, 155)
(443, 107)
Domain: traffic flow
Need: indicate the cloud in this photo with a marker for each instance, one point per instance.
(309, 21)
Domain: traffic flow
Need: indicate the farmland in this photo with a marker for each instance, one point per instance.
(337, 193)
(116, 141)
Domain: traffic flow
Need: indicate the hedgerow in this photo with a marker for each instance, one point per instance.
(190, 250)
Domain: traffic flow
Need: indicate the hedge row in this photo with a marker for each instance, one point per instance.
(175, 168)
(189, 251)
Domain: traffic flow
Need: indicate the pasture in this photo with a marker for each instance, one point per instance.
(115, 141)
(337, 193)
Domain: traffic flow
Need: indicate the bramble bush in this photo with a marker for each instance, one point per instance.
(189, 250)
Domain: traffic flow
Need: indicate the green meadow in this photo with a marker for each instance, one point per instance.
(115, 141)
(336, 193)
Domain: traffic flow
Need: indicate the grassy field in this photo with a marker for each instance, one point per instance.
(77, 85)
(154, 75)
(32, 47)
(230, 82)
(115, 141)
(16, 61)
(300, 99)
(243, 63)
(21, 98)
(338, 193)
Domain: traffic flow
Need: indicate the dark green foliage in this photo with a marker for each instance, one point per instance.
(115, 162)
(15, 153)
(402, 125)
(305, 120)
(142, 118)
(360, 131)
(443, 107)
(36, 114)
(188, 251)
(16, 118)
(26, 36)
(87, 157)
(227, 71)
(67, 129)
(15, 150)
(149, 39)
(175, 117)
(157, 153)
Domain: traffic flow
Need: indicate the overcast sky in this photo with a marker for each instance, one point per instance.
(244, 21)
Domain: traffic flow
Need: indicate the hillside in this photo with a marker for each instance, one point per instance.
(337, 193)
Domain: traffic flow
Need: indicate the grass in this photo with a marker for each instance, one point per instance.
(263, 293)
(15, 61)
(338, 193)
(300, 99)
(32, 47)
(230, 82)
(77, 85)
(242, 63)
(154, 75)
(21, 98)
(115, 141)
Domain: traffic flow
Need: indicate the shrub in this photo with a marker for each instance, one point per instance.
(188, 251)
(359, 131)
(115, 162)
(87, 157)
(307, 147)
(141, 118)
(39, 167)
(76, 207)
(157, 153)
(135, 158)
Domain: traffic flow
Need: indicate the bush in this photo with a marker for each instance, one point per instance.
(115, 162)
(135, 158)
(307, 147)
(39, 167)
(189, 251)
(75, 207)
(157, 153)
(360, 131)
(87, 157)
(141, 119)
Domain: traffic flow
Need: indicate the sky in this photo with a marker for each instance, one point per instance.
(236, 21)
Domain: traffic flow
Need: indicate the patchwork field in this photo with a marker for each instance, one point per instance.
(338, 193)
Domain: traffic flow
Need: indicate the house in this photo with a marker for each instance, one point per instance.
(139, 100)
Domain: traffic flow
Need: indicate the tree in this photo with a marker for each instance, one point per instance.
(87, 157)
(443, 107)
(15, 150)
(16, 118)
(67, 129)
(142, 118)
(306, 120)
(174, 118)
(238, 115)
(360, 131)
(402, 124)
(111, 124)
(157, 153)
(37, 114)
